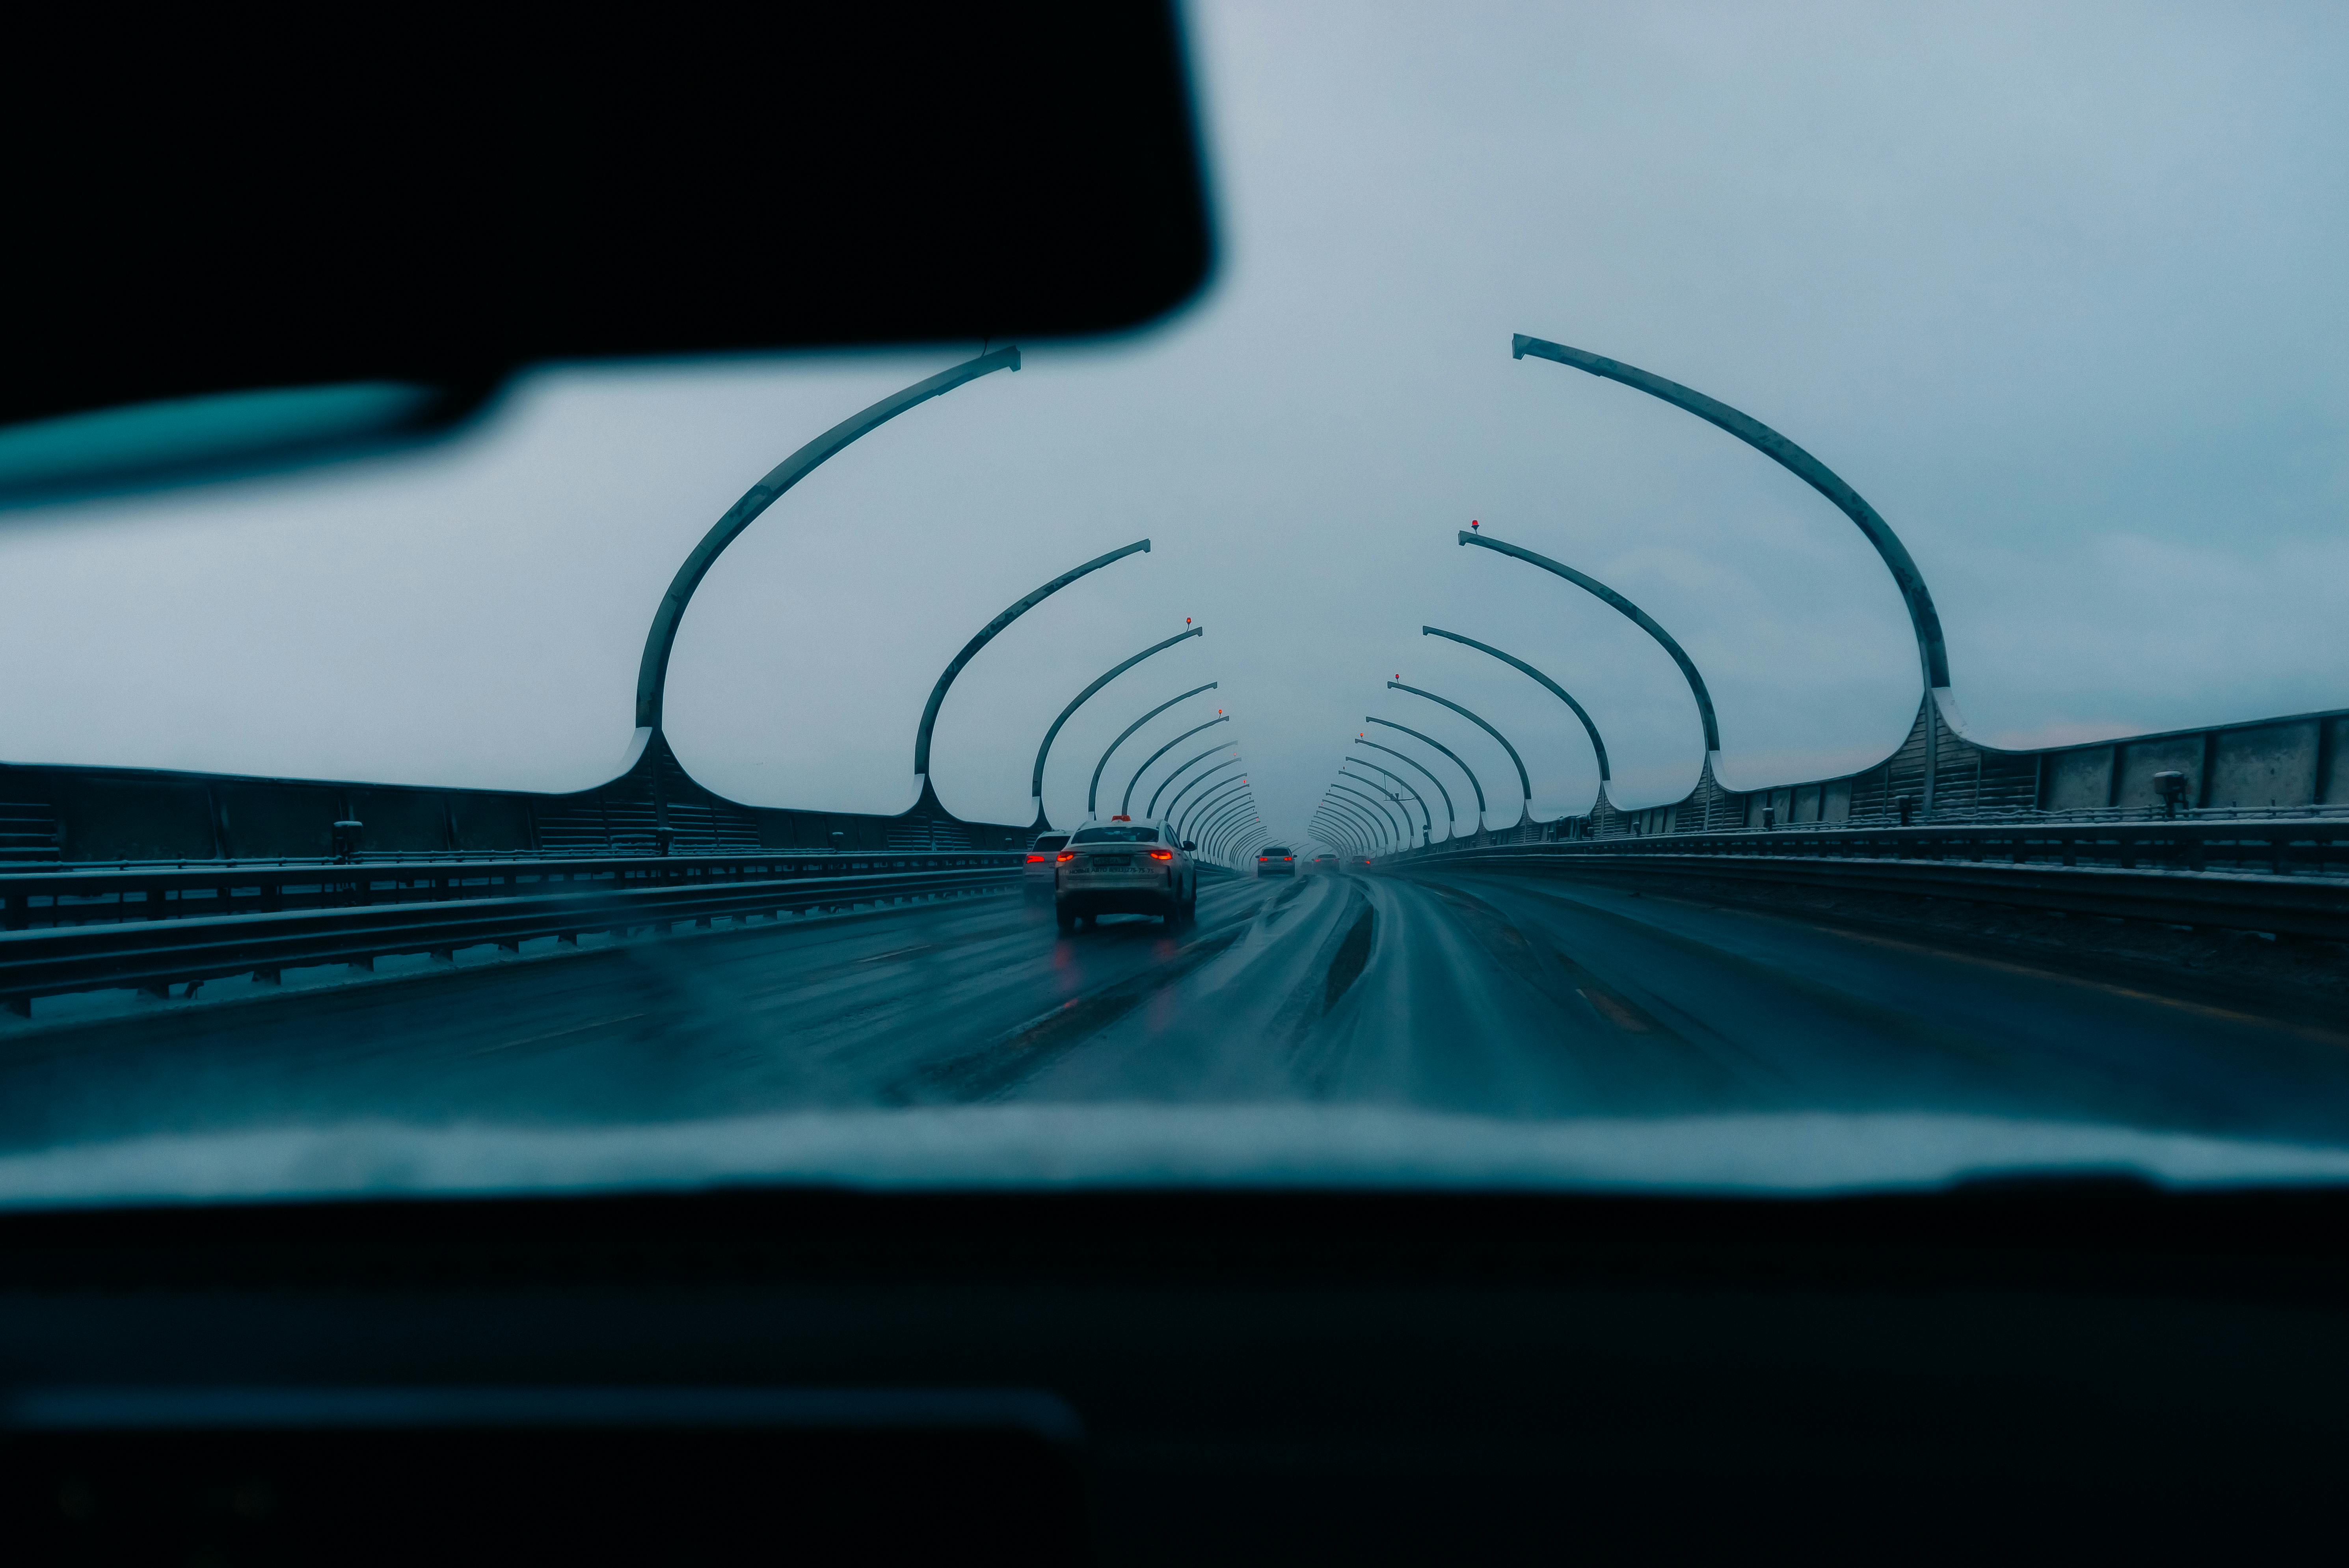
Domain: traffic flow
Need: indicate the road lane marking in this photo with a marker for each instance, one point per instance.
(556, 1034)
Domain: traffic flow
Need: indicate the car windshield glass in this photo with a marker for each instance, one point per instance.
(1781, 580)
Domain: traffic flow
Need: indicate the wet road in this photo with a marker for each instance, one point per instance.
(1478, 993)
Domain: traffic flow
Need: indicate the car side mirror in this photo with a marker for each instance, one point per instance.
(1188, 846)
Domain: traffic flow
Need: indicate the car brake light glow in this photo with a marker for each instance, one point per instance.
(1162, 854)
(1033, 859)
(1066, 855)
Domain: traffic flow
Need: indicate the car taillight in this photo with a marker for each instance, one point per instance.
(1162, 854)
(1067, 855)
(1035, 859)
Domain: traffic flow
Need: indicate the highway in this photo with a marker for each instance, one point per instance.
(1469, 992)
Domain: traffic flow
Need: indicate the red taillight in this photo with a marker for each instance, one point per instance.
(1036, 860)
(1289, 857)
(1162, 854)
(1066, 855)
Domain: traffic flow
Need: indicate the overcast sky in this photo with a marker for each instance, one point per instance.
(2059, 289)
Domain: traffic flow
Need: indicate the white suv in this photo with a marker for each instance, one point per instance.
(1127, 867)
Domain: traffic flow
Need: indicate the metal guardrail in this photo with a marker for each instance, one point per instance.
(151, 954)
(2283, 877)
(2273, 845)
(55, 896)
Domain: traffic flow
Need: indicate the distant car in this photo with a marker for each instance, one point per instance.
(1036, 879)
(1125, 867)
(1276, 861)
(1325, 859)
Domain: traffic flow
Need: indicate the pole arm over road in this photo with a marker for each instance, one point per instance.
(1346, 835)
(1165, 784)
(1426, 820)
(1036, 780)
(1378, 829)
(988, 634)
(1931, 653)
(1596, 745)
(1638, 617)
(1092, 791)
(652, 670)
(1174, 806)
(1525, 785)
(1448, 752)
(1202, 808)
(1450, 820)
(1126, 805)
(1383, 805)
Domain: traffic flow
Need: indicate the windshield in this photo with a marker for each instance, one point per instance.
(1822, 673)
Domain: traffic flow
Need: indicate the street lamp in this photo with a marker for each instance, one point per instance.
(1383, 805)
(987, 634)
(652, 670)
(1598, 747)
(1166, 782)
(1092, 791)
(1174, 806)
(1036, 780)
(1449, 820)
(1448, 752)
(1378, 832)
(1207, 801)
(1426, 822)
(1125, 807)
(1525, 785)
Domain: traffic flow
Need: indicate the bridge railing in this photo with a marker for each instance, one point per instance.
(359, 918)
(84, 895)
(2274, 876)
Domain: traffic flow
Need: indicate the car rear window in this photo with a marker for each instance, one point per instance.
(1269, 851)
(1051, 841)
(1116, 836)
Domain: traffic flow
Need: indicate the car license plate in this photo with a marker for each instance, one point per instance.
(1113, 862)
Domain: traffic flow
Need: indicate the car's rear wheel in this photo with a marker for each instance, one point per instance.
(1065, 917)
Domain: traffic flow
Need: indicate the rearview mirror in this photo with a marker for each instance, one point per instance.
(1188, 846)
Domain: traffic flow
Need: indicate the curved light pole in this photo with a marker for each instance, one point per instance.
(1238, 809)
(1525, 785)
(987, 634)
(1092, 791)
(1932, 655)
(1227, 833)
(1353, 816)
(1348, 840)
(1450, 821)
(1036, 780)
(1126, 805)
(1348, 836)
(1383, 805)
(1631, 612)
(652, 670)
(1174, 806)
(1205, 805)
(1197, 809)
(1152, 810)
(1598, 747)
(1427, 821)
(1448, 752)
(1376, 833)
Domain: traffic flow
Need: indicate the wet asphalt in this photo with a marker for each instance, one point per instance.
(1482, 994)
